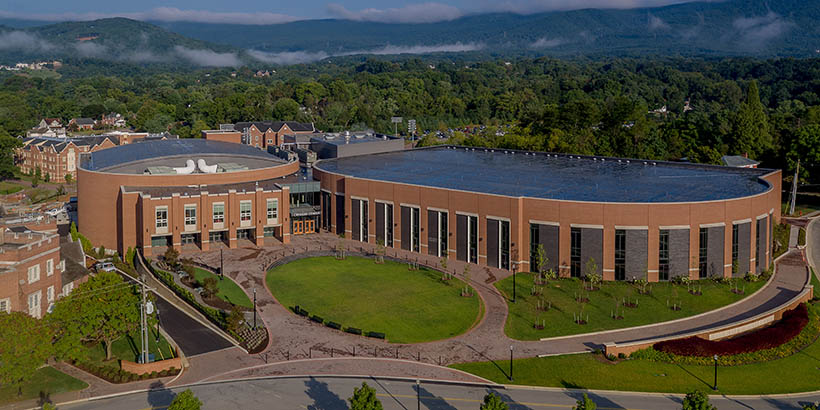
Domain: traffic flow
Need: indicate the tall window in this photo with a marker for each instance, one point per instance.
(34, 304)
(49, 267)
(620, 254)
(162, 217)
(219, 213)
(704, 245)
(273, 208)
(575, 252)
(415, 224)
(504, 242)
(33, 273)
(50, 294)
(734, 247)
(245, 211)
(190, 215)
(472, 226)
(5, 305)
(663, 255)
(443, 232)
(757, 247)
(535, 236)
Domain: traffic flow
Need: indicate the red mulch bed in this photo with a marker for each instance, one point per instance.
(770, 337)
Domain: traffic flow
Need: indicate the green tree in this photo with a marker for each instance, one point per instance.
(25, 344)
(493, 402)
(185, 401)
(101, 310)
(7, 146)
(68, 179)
(585, 403)
(364, 398)
(35, 181)
(697, 400)
(751, 134)
(285, 109)
(211, 286)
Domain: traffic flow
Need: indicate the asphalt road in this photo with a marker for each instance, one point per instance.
(191, 336)
(328, 393)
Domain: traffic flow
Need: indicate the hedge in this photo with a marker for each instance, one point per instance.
(333, 325)
(807, 336)
(786, 329)
(217, 316)
(377, 335)
(317, 319)
(354, 331)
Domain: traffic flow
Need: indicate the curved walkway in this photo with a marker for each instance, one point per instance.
(293, 337)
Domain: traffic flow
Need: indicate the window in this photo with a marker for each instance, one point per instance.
(219, 213)
(757, 246)
(245, 211)
(273, 208)
(535, 235)
(34, 304)
(5, 305)
(33, 273)
(50, 294)
(67, 288)
(620, 254)
(442, 233)
(704, 244)
(162, 217)
(269, 232)
(504, 242)
(575, 252)
(472, 234)
(735, 243)
(190, 215)
(663, 255)
(415, 225)
(49, 267)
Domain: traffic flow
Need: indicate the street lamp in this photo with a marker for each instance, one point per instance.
(511, 362)
(513, 269)
(715, 386)
(254, 308)
(418, 394)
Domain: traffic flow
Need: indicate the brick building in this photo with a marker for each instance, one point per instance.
(58, 157)
(635, 219)
(258, 134)
(30, 270)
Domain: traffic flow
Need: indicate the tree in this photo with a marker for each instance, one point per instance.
(185, 401)
(171, 256)
(285, 109)
(585, 403)
(7, 146)
(751, 134)
(36, 180)
(541, 259)
(101, 310)
(47, 177)
(493, 402)
(697, 400)
(68, 178)
(211, 286)
(25, 344)
(364, 398)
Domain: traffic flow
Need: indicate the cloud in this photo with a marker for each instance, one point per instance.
(458, 47)
(756, 32)
(208, 58)
(540, 6)
(288, 57)
(656, 23)
(413, 13)
(20, 40)
(90, 49)
(299, 57)
(164, 14)
(544, 42)
(143, 56)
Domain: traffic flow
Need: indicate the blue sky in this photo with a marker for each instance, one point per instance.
(278, 11)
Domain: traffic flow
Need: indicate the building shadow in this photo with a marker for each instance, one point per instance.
(159, 396)
(431, 401)
(509, 400)
(323, 398)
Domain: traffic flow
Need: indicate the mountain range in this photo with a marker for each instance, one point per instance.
(731, 28)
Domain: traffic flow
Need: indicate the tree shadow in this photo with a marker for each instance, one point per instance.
(159, 396)
(44, 398)
(600, 401)
(323, 398)
(497, 366)
(570, 385)
(509, 400)
(431, 401)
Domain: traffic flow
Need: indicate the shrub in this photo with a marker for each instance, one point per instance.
(773, 336)
(493, 402)
(333, 325)
(354, 331)
(585, 403)
(364, 398)
(376, 335)
(163, 373)
(185, 401)
(154, 374)
(621, 355)
(697, 400)
(317, 319)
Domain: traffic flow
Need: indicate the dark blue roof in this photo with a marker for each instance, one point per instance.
(139, 151)
(553, 176)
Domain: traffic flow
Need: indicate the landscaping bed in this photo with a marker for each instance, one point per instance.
(382, 300)
(561, 307)
(125, 348)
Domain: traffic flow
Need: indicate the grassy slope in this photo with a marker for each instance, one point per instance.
(46, 380)
(229, 291)
(408, 306)
(128, 348)
(651, 308)
(796, 373)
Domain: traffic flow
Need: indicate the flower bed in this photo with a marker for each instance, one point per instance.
(770, 337)
(805, 337)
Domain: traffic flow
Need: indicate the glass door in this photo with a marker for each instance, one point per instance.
(310, 226)
(298, 227)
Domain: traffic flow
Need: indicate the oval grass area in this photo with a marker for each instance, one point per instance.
(407, 306)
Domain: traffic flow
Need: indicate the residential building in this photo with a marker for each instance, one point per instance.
(258, 134)
(82, 124)
(49, 128)
(113, 119)
(30, 270)
(58, 157)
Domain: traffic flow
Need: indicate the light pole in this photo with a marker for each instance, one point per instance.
(511, 362)
(715, 386)
(254, 308)
(418, 394)
(513, 269)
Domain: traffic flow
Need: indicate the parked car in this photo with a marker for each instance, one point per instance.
(105, 267)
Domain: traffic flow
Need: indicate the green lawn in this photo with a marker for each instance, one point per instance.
(796, 373)
(229, 291)
(781, 239)
(47, 381)
(128, 348)
(801, 237)
(559, 319)
(408, 306)
(7, 188)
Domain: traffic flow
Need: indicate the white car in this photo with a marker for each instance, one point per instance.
(105, 267)
(55, 211)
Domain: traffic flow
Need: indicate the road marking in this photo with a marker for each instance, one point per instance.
(447, 399)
